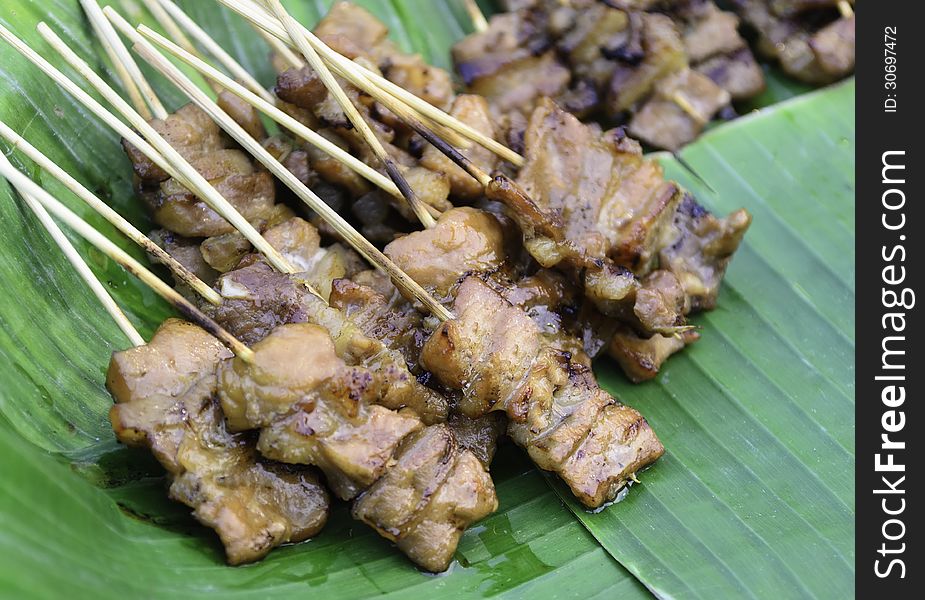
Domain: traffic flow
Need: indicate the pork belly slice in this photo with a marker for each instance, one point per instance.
(680, 107)
(311, 407)
(415, 485)
(498, 358)
(613, 203)
(257, 299)
(428, 497)
(463, 240)
(699, 248)
(165, 401)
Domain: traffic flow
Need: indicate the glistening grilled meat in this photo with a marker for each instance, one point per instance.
(230, 171)
(165, 401)
(413, 483)
(498, 358)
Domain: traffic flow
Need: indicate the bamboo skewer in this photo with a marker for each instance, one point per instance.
(190, 178)
(114, 46)
(73, 257)
(107, 247)
(172, 29)
(259, 16)
(291, 58)
(844, 7)
(406, 114)
(109, 214)
(274, 113)
(479, 22)
(92, 9)
(333, 86)
(213, 48)
(88, 101)
(201, 188)
(402, 281)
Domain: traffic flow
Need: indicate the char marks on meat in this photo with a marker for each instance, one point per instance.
(498, 358)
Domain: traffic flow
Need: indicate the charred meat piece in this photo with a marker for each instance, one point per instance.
(715, 48)
(186, 252)
(427, 499)
(663, 54)
(524, 82)
(413, 74)
(189, 131)
(381, 314)
(498, 358)
(612, 202)
(224, 252)
(165, 401)
(232, 174)
(464, 240)
(680, 107)
(738, 73)
(812, 41)
(510, 37)
(313, 408)
(699, 249)
(641, 358)
(257, 300)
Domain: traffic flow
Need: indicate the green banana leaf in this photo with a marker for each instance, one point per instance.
(754, 497)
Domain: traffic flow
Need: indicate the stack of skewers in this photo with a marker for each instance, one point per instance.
(301, 372)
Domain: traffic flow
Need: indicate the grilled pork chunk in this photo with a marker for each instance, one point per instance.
(428, 497)
(414, 484)
(498, 358)
(200, 141)
(165, 394)
(257, 300)
(812, 41)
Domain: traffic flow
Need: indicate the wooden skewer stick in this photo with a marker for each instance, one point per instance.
(479, 22)
(131, 88)
(402, 281)
(110, 40)
(407, 115)
(189, 177)
(688, 108)
(291, 58)
(275, 113)
(333, 86)
(21, 144)
(95, 107)
(88, 101)
(213, 48)
(844, 7)
(77, 262)
(259, 16)
(172, 29)
(440, 144)
(104, 245)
